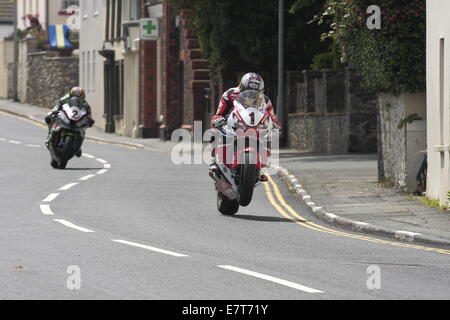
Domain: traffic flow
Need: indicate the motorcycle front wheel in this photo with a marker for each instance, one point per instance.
(226, 206)
(247, 180)
(67, 151)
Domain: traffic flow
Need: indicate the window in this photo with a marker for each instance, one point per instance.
(83, 69)
(119, 20)
(113, 20)
(94, 66)
(88, 73)
(135, 10)
(84, 9)
(96, 7)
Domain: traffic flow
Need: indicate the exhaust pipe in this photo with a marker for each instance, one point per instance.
(223, 186)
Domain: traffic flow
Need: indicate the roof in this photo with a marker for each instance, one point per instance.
(6, 11)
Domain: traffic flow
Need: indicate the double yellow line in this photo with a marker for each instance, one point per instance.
(277, 201)
(39, 124)
(23, 118)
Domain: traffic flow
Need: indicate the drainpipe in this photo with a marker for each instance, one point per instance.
(47, 15)
(280, 99)
(16, 55)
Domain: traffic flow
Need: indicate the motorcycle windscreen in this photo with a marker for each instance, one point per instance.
(250, 98)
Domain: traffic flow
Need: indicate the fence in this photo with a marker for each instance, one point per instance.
(329, 112)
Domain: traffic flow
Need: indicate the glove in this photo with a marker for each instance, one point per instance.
(219, 122)
(91, 122)
(49, 116)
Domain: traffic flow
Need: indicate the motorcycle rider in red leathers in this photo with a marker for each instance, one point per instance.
(250, 81)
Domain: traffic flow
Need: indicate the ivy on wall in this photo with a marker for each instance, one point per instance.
(391, 59)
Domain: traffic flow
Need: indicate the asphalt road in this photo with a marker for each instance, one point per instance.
(129, 224)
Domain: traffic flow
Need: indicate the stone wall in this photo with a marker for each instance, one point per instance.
(318, 133)
(330, 113)
(393, 140)
(50, 77)
(401, 146)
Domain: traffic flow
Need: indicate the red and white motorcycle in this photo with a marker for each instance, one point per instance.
(241, 152)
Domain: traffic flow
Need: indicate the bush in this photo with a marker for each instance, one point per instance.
(391, 59)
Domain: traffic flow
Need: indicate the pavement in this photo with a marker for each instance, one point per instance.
(340, 189)
(344, 190)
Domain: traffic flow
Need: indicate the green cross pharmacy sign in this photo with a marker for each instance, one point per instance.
(149, 29)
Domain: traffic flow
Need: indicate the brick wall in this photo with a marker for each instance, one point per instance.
(196, 78)
(148, 89)
(171, 69)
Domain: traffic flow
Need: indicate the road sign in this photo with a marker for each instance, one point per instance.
(149, 29)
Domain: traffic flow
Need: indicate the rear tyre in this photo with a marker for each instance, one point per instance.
(226, 206)
(247, 180)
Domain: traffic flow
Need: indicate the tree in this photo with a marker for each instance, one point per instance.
(242, 36)
(391, 59)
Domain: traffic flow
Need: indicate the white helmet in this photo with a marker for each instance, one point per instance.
(252, 81)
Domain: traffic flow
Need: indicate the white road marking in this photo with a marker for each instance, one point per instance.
(45, 208)
(3, 139)
(87, 177)
(107, 166)
(171, 253)
(101, 160)
(14, 142)
(272, 279)
(71, 225)
(68, 186)
(32, 146)
(102, 171)
(51, 197)
(88, 156)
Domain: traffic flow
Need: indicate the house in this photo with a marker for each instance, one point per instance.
(438, 99)
(6, 18)
(142, 88)
(6, 47)
(91, 63)
(46, 12)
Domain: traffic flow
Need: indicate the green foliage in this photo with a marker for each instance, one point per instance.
(391, 59)
(326, 60)
(323, 61)
(242, 36)
(409, 119)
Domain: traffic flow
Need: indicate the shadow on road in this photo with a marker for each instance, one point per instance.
(316, 157)
(83, 169)
(264, 218)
